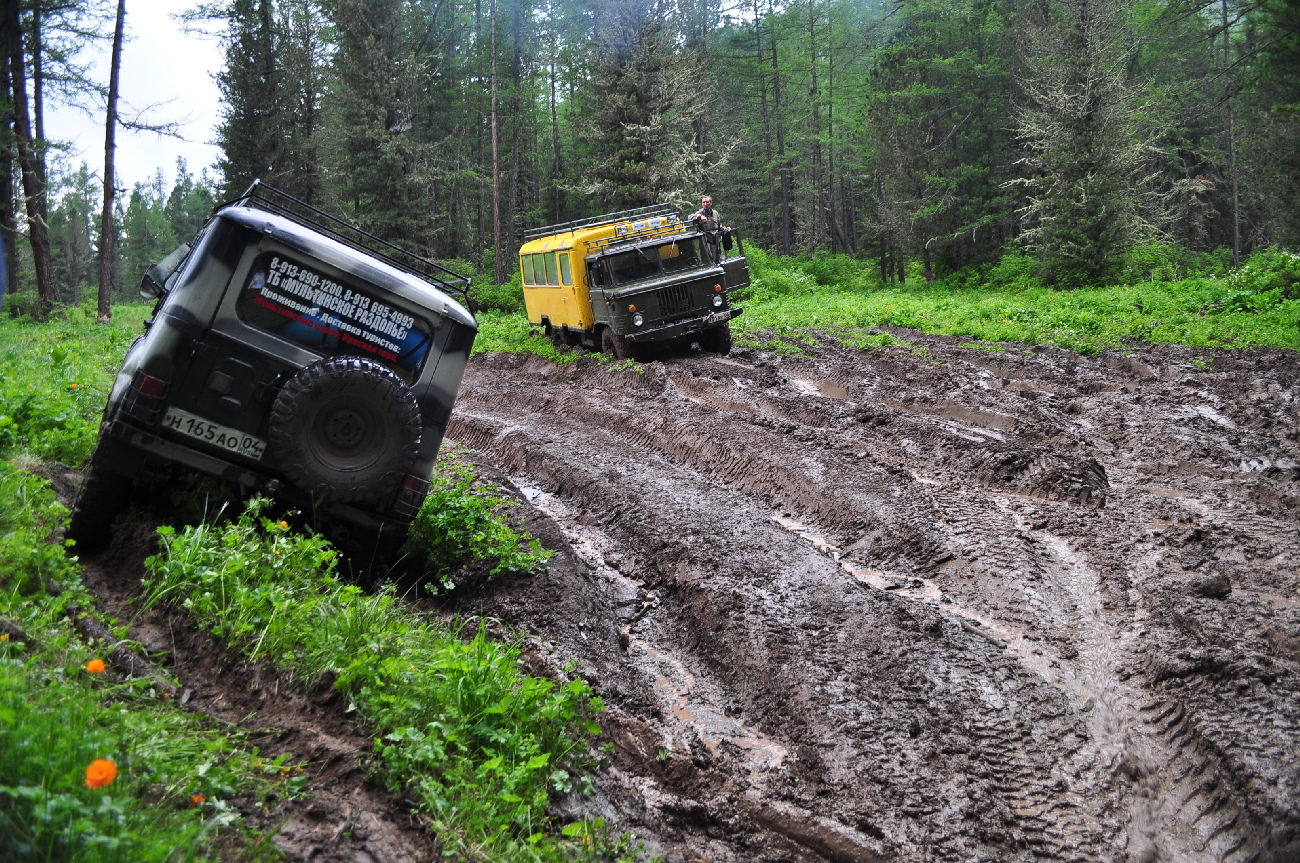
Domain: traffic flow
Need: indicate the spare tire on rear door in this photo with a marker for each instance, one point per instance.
(345, 429)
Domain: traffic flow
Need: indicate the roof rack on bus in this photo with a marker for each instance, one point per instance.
(271, 199)
(670, 230)
(597, 221)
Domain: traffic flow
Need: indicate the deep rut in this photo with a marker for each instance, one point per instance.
(964, 606)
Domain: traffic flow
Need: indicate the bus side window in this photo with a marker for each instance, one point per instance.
(552, 275)
(528, 269)
(566, 275)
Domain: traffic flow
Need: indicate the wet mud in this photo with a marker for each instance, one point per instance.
(889, 605)
(915, 605)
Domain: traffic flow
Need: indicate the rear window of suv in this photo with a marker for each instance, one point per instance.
(293, 300)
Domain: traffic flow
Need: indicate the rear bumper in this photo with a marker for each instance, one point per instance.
(684, 328)
(135, 453)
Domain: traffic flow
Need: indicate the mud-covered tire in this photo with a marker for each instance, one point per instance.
(100, 500)
(345, 429)
(615, 346)
(717, 340)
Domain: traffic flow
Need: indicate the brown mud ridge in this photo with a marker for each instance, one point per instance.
(945, 604)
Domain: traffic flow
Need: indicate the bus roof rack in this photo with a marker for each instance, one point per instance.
(271, 199)
(597, 221)
(674, 229)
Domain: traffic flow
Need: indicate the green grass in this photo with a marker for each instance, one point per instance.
(55, 378)
(1174, 298)
(476, 745)
(1255, 307)
(175, 771)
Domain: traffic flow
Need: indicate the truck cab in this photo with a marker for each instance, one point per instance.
(624, 281)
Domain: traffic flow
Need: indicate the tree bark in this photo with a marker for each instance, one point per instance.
(33, 192)
(106, 232)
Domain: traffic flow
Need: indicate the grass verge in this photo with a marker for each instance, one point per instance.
(55, 378)
(92, 769)
(476, 745)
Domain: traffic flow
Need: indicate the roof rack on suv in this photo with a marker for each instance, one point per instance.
(607, 219)
(272, 200)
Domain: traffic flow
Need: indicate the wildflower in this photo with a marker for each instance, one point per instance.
(95, 666)
(74, 386)
(197, 799)
(100, 773)
(4, 636)
(283, 524)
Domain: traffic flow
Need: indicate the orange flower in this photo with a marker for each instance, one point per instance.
(197, 799)
(100, 773)
(284, 524)
(95, 666)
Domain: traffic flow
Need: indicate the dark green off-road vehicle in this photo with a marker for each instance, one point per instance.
(296, 355)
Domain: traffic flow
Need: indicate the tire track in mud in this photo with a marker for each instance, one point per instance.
(971, 510)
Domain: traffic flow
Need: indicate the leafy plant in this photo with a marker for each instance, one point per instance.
(463, 520)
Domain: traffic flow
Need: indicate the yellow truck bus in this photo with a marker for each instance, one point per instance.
(622, 282)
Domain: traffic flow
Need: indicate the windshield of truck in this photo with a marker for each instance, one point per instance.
(681, 255)
(634, 265)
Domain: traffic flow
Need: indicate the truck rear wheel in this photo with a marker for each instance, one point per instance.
(615, 346)
(101, 498)
(345, 429)
(717, 340)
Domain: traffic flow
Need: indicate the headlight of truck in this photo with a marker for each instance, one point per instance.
(717, 301)
(637, 320)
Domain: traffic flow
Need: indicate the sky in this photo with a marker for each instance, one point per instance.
(163, 66)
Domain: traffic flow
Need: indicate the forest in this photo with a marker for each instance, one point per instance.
(926, 136)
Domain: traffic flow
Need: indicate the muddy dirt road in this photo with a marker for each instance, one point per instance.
(940, 605)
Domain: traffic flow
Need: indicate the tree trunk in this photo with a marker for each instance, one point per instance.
(33, 192)
(1232, 146)
(106, 232)
(8, 214)
(814, 96)
(517, 121)
(780, 144)
(767, 125)
(498, 270)
(555, 147)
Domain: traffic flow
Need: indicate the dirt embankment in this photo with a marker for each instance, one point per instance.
(948, 605)
(888, 605)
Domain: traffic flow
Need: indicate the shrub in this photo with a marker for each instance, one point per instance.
(462, 521)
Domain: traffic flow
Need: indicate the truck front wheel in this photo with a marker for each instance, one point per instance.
(717, 340)
(615, 346)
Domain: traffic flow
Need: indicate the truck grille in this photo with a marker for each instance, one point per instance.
(674, 300)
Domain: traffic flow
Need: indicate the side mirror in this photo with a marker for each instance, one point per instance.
(157, 275)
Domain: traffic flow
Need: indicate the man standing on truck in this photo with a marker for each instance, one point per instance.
(711, 225)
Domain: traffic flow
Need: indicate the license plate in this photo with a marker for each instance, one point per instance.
(215, 434)
(718, 317)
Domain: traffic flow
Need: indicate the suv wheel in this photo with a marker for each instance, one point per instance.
(345, 429)
(101, 498)
(717, 340)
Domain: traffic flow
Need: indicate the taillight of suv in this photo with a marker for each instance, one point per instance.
(144, 400)
(411, 496)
